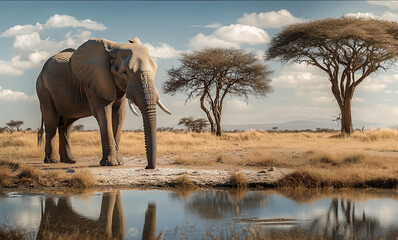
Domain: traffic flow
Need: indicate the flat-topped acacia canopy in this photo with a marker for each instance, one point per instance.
(348, 49)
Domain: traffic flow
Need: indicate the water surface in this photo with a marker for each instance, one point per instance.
(139, 214)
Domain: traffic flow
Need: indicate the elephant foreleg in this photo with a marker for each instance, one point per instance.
(118, 114)
(104, 118)
(106, 214)
(64, 130)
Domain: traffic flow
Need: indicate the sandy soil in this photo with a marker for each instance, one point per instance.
(132, 173)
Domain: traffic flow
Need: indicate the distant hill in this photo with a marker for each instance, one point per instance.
(312, 124)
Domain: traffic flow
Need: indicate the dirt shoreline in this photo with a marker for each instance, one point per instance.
(165, 177)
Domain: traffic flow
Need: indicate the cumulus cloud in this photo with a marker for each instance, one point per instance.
(309, 83)
(231, 36)
(389, 4)
(163, 51)
(9, 95)
(242, 34)
(204, 41)
(32, 48)
(8, 70)
(390, 16)
(362, 15)
(56, 21)
(64, 21)
(270, 19)
(298, 75)
(22, 29)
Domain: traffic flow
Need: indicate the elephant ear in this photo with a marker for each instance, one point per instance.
(91, 63)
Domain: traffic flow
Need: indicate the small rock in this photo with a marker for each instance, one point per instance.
(70, 171)
(272, 169)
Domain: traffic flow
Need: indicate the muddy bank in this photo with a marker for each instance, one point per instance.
(165, 177)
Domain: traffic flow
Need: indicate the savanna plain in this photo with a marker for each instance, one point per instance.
(313, 159)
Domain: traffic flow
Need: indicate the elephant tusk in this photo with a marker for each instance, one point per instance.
(163, 107)
(132, 108)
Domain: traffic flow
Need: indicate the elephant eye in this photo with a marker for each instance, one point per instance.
(116, 68)
(124, 72)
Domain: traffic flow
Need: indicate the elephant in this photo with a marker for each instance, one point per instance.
(95, 79)
(59, 219)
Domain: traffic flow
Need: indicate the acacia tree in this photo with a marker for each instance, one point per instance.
(14, 124)
(213, 73)
(192, 124)
(347, 49)
(78, 127)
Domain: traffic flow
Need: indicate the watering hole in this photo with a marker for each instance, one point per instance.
(205, 214)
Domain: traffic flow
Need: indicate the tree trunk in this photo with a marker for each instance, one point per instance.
(346, 119)
(218, 125)
(203, 107)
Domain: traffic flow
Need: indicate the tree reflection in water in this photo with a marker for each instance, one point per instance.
(222, 204)
(341, 218)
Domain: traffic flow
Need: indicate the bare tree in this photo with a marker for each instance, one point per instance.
(14, 124)
(212, 74)
(347, 49)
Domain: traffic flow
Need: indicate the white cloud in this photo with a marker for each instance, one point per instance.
(9, 95)
(203, 41)
(56, 21)
(299, 75)
(389, 4)
(377, 83)
(22, 29)
(64, 21)
(244, 34)
(231, 36)
(32, 49)
(362, 15)
(28, 41)
(163, 51)
(260, 54)
(390, 16)
(236, 104)
(213, 25)
(270, 19)
(8, 70)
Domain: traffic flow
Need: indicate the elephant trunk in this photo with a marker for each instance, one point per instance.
(149, 119)
(143, 93)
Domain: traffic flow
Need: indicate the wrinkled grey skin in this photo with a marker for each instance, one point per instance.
(95, 80)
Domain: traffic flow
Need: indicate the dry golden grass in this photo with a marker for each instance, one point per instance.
(22, 175)
(368, 158)
(184, 182)
(237, 180)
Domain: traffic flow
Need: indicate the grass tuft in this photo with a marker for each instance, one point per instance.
(184, 182)
(82, 179)
(237, 180)
(12, 233)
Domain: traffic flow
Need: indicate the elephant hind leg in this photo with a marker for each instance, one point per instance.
(51, 120)
(64, 130)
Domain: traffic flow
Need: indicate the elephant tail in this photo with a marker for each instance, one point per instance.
(40, 134)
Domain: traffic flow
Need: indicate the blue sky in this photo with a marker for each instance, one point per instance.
(30, 32)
